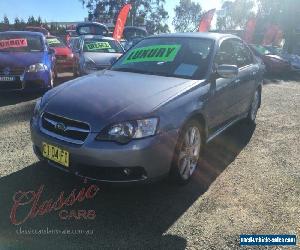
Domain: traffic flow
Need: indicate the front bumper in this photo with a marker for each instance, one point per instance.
(145, 159)
(28, 82)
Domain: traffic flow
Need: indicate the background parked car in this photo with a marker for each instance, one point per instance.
(42, 30)
(293, 56)
(64, 57)
(95, 52)
(26, 61)
(132, 35)
(261, 64)
(92, 28)
(274, 62)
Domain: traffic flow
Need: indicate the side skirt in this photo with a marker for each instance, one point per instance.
(222, 129)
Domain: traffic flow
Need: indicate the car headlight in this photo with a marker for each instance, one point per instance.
(70, 55)
(124, 132)
(37, 67)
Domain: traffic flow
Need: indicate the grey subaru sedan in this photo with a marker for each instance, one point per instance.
(151, 114)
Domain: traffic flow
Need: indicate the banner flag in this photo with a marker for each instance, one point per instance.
(121, 21)
(250, 29)
(205, 21)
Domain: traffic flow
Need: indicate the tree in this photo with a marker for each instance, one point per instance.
(150, 13)
(31, 20)
(4, 25)
(39, 21)
(187, 16)
(17, 24)
(235, 14)
(22, 24)
(155, 25)
(5, 20)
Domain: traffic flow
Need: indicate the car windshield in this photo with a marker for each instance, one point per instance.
(55, 42)
(101, 46)
(174, 57)
(20, 43)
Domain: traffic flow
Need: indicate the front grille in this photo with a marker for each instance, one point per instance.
(15, 85)
(14, 71)
(64, 128)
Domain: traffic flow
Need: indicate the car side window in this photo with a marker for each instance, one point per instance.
(225, 55)
(242, 54)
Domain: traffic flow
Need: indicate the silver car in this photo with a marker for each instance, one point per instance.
(95, 52)
(151, 114)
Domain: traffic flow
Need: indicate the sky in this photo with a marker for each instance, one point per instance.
(72, 10)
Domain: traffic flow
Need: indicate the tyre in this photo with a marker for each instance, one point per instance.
(254, 107)
(187, 152)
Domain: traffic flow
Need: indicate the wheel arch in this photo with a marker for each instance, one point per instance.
(198, 116)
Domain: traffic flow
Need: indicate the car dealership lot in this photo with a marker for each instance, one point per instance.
(251, 185)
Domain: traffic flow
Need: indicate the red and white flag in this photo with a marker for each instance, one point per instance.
(205, 21)
(121, 21)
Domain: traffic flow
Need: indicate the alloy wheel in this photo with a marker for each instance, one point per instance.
(189, 152)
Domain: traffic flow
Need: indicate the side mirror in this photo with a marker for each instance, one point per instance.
(227, 71)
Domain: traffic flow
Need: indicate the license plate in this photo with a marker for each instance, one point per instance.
(61, 61)
(56, 154)
(7, 78)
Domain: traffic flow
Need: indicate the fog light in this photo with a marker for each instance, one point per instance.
(127, 171)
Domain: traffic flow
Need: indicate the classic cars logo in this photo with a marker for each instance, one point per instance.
(28, 205)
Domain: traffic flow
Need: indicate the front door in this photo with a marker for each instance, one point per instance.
(221, 105)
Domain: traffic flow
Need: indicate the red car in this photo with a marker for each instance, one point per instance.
(65, 60)
(274, 63)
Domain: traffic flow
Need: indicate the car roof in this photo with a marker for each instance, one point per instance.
(23, 32)
(97, 37)
(208, 35)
